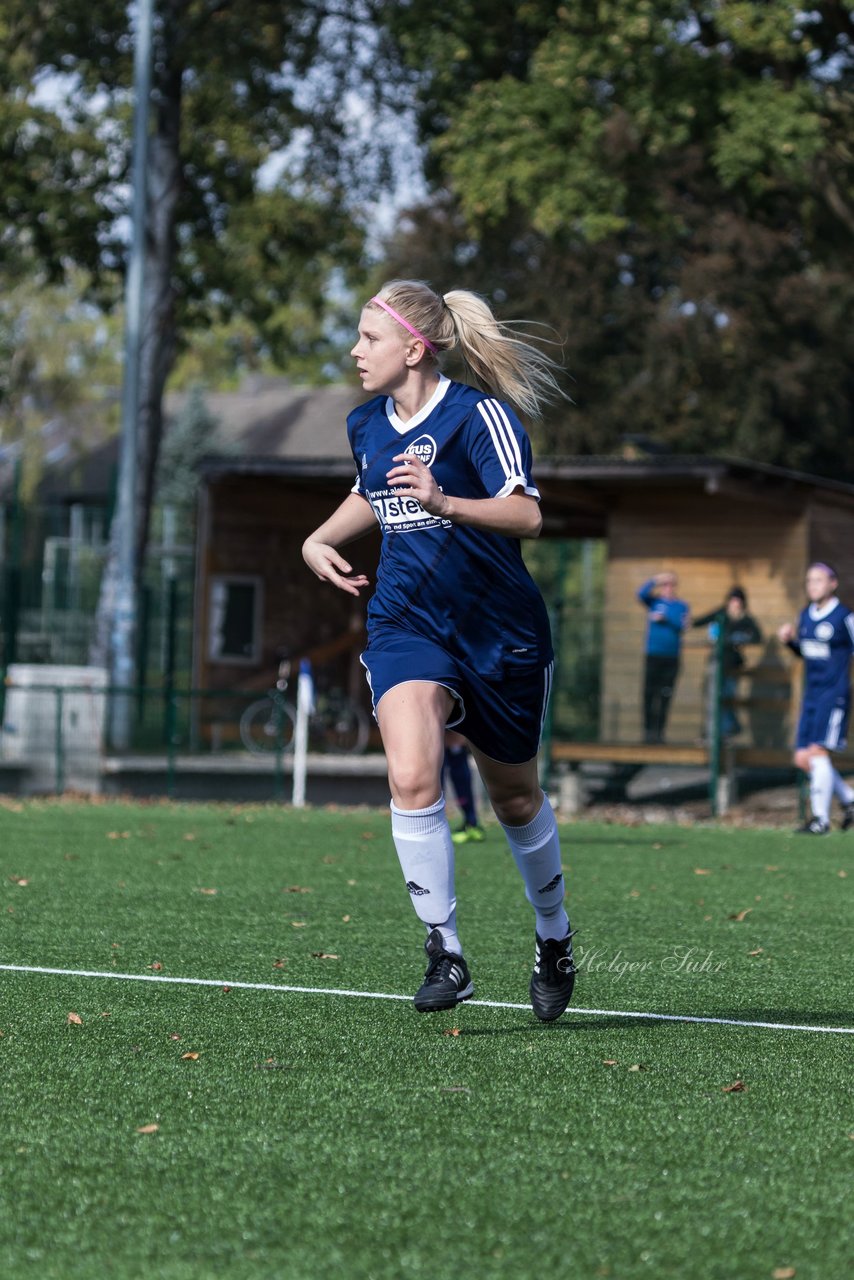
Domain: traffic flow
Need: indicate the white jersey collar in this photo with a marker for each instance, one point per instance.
(424, 412)
(817, 614)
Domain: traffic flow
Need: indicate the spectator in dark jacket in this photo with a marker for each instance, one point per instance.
(730, 627)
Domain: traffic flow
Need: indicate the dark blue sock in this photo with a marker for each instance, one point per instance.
(457, 764)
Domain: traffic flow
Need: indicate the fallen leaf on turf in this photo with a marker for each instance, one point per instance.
(270, 1064)
(226, 990)
(118, 835)
(451, 1031)
(346, 919)
(189, 835)
(741, 915)
(701, 871)
(843, 875)
(634, 893)
(157, 966)
(106, 1014)
(298, 924)
(209, 891)
(770, 868)
(148, 1128)
(75, 1019)
(368, 835)
(757, 952)
(351, 883)
(325, 955)
(191, 1056)
(296, 888)
(610, 1062)
(738, 1086)
(637, 1066)
(19, 880)
(174, 1036)
(784, 1273)
(278, 964)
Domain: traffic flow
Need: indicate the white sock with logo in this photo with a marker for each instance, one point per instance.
(422, 838)
(821, 787)
(841, 789)
(536, 852)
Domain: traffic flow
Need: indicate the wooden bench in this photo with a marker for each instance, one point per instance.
(733, 758)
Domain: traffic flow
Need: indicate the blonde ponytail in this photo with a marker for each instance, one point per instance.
(497, 357)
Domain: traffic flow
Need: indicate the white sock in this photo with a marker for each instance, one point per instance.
(841, 789)
(821, 787)
(536, 852)
(425, 849)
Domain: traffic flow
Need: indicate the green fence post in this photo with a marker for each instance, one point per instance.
(60, 751)
(279, 765)
(715, 707)
(556, 624)
(172, 743)
(142, 650)
(169, 664)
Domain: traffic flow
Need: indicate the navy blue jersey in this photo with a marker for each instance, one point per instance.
(825, 641)
(463, 588)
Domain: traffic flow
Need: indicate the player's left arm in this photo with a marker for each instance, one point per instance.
(498, 451)
(515, 514)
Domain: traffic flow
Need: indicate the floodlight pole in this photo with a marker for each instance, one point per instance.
(124, 606)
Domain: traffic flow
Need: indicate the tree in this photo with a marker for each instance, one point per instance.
(235, 85)
(670, 185)
(60, 367)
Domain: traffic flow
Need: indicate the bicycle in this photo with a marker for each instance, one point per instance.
(335, 724)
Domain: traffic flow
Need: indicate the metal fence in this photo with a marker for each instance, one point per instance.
(188, 743)
(238, 743)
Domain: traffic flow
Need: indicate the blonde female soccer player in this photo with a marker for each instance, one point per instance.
(458, 634)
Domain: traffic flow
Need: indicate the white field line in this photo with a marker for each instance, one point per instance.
(384, 995)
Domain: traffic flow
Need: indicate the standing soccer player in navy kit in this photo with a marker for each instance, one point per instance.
(458, 634)
(825, 641)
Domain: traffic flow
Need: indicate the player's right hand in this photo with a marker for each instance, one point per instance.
(326, 564)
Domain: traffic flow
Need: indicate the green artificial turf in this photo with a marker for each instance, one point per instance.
(318, 1135)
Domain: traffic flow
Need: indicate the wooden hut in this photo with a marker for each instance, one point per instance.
(715, 522)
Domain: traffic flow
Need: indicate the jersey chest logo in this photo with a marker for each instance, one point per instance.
(824, 631)
(424, 449)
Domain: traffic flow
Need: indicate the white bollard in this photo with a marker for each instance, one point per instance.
(305, 706)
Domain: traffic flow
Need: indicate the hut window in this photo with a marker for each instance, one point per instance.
(234, 628)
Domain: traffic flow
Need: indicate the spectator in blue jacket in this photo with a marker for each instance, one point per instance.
(668, 618)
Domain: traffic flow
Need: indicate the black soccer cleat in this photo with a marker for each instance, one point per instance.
(553, 978)
(848, 817)
(447, 980)
(815, 827)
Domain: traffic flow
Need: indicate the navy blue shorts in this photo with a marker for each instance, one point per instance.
(503, 717)
(824, 722)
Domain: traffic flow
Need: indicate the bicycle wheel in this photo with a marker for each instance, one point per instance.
(267, 726)
(340, 725)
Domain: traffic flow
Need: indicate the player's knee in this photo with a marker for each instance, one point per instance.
(517, 808)
(413, 786)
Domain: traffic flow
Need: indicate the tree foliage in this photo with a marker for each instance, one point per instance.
(248, 210)
(669, 184)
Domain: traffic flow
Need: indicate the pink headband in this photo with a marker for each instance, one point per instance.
(395, 315)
